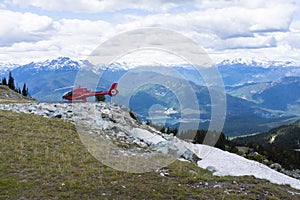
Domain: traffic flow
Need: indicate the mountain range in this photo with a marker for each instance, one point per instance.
(260, 94)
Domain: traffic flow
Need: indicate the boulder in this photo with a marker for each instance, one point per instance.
(275, 166)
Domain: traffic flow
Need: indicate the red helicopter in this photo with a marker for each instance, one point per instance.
(83, 93)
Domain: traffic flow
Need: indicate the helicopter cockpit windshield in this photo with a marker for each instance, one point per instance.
(67, 94)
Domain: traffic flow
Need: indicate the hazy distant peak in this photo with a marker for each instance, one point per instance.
(258, 62)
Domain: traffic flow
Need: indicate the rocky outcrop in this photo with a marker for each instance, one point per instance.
(117, 122)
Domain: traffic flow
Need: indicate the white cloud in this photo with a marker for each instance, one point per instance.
(225, 22)
(248, 43)
(290, 39)
(20, 27)
(153, 5)
(29, 36)
(62, 5)
(223, 27)
(97, 5)
(295, 25)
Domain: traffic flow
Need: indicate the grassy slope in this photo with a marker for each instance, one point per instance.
(9, 96)
(44, 159)
(7, 93)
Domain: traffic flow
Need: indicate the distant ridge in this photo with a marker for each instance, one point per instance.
(280, 144)
(284, 137)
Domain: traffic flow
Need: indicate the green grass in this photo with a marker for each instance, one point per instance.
(44, 159)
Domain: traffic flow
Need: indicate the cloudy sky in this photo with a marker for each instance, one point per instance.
(35, 30)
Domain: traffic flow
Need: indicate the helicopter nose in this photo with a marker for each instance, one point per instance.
(65, 97)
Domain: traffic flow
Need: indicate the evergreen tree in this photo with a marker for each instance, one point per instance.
(11, 82)
(149, 122)
(162, 130)
(4, 82)
(168, 130)
(25, 90)
(221, 141)
(175, 131)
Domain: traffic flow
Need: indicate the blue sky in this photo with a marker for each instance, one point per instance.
(35, 30)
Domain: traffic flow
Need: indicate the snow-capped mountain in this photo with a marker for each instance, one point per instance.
(61, 63)
(248, 83)
(258, 63)
(65, 63)
(237, 73)
(61, 72)
(5, 68)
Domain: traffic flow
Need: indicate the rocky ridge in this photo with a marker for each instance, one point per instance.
(118, 124)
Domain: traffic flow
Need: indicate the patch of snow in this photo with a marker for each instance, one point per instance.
(159, 93)
(244, 97)
(272, 139)
(170, 111)
(231, 164)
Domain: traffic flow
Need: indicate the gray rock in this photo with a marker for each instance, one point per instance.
(176, 148)
(211, 169)
(265, 160)
(253, 154)
(275, 166)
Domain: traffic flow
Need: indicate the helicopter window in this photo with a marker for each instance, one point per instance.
(69, 94)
